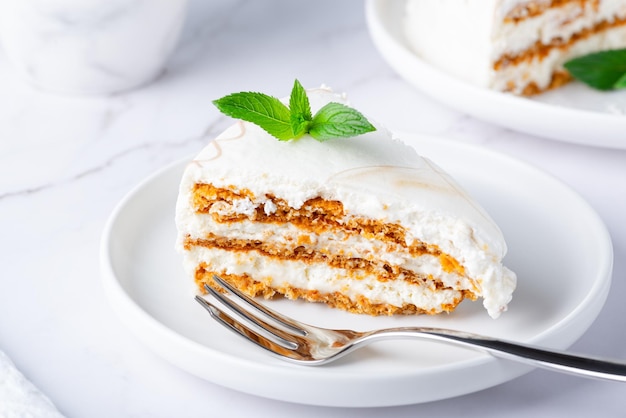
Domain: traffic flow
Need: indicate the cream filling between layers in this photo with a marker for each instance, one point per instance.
(539, 71)
(389, 258)
(558, 23)
(322, 278)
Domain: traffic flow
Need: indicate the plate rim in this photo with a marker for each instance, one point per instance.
(608, 128)
(162, 339)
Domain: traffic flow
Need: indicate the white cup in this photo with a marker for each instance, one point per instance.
(90, 46)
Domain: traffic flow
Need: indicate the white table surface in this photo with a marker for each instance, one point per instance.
(66, 161)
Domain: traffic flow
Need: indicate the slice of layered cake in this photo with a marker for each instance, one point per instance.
(517, 46)
(362, 223)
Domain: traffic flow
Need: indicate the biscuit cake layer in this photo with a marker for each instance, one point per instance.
(364, 223)
(518, 46)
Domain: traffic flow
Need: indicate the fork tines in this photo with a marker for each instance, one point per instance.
(264, 327)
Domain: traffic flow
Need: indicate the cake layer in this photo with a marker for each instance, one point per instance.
(543, 70)
(532, 8)
(560, 24)
(315, 215)
(350, 289)
(415, 268)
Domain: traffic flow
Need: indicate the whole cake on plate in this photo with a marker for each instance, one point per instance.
(516, 46)
(362, 223)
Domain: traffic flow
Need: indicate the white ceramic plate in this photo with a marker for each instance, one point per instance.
(574, 113)
(558, 246)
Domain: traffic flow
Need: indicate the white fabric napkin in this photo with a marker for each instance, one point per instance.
(19, 398)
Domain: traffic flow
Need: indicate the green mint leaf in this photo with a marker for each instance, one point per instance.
(285, 123)
(338, 121)
(300, 110)
(265, 111)
(600, 70)
(621, 83)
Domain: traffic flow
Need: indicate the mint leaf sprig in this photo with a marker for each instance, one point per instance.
(334, 120)
(605, 70)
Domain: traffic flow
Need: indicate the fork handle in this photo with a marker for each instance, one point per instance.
(540, 357)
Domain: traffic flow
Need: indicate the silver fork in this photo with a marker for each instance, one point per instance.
(309, 345)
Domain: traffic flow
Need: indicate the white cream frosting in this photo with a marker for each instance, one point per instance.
(465, 37)
(372, 175)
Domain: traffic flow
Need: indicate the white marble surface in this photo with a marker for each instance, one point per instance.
(66, 161)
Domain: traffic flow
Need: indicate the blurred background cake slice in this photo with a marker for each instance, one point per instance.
(516, 46)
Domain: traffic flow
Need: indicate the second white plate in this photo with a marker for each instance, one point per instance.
(558, 246)
(574, 113)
